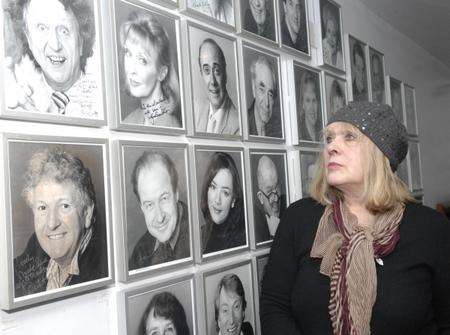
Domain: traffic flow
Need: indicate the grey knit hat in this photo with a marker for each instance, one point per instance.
(379, 123)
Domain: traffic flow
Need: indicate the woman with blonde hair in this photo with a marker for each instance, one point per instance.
(361, 257)
(150, 72)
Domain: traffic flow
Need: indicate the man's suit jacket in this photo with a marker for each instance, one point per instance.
(230, 120)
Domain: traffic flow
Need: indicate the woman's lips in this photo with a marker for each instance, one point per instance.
(334, 166)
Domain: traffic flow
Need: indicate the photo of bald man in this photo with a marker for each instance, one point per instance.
(269, 192)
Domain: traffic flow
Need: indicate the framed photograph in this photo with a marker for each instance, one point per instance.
(308, 99)
(402, 172)
(378, 89)
(148, 70)
(49, 73)
(358, 78)
(219, 12)
(57, 240)
(410, 111)
(415, 166)
(335, 94)
(225, 289)
(331, 52)
(294, 26)
(308, 167)
(163, 307)
(263, 94)
(259, 265)
(270, 193)
(258, 20)
(156, 215)
(214, 83)
(221, 200)
(396, 97)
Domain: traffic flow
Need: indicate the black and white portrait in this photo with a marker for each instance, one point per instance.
(410, 108)
(220, 10)
(396, 98)
(416, 173)
(214, 83)
(149, 83)
(330, 19)
(220, 189)
(307, 170)
(335, 91)
(162, 310)
(59, 220)
(52, 67)
(377, 76)
(229, 301)
(294, 24)
(157, 204)
(258, 17)
(308, 103)
(261, 263)
(269, 186)
(358, 69)
(262, 93)
(402, 172)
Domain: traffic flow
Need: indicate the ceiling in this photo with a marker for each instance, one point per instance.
(427, 22)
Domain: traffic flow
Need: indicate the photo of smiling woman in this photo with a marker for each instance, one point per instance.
(309, 116)
(222, 204)
(150, 92)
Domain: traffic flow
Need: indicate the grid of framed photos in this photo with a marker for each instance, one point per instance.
(208, 114)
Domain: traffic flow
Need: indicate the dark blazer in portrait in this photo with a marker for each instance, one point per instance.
(250, 25)
(230, 121)
(145, 254)
(301, 43)
(247, 328)
(273, 127)
(261, 230)
(30, 268)
(228, 234)
(359, 95)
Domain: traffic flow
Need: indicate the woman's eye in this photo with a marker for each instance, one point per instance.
(226, 193)
(350, 136)
(328, 139)
(41, 208)
(142, 61)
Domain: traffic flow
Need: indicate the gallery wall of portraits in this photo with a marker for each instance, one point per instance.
(152, 147)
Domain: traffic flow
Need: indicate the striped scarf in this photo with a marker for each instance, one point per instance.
(348, 253)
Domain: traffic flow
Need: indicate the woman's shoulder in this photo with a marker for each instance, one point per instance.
(306, 210)
(424, 218)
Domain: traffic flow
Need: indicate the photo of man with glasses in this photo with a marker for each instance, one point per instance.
(269, 194)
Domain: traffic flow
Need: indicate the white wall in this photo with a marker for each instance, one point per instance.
(406, 61)
(95, 313)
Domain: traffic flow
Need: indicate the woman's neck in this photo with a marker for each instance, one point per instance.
(154, 98)
(355, 204)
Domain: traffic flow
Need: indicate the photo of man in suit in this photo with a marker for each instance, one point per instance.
(269, 202)
(229, 307)
(217, 114)
(259, 18)
(155, 184)
(264, 117)
(293, 25)
(49, 67)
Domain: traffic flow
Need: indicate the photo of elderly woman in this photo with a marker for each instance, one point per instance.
(221, 200)
(335, 94)
(309, 107)
(331, 34)
(160, 310)
(164, 315)
(148, 68)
